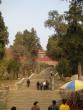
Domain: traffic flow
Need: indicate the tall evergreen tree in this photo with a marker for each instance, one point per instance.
(3, 36)
(73, 45)
(26, 43)
(70, 44)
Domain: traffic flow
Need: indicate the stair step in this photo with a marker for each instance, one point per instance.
(23, 97)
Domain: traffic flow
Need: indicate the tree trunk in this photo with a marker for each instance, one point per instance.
(79, 71)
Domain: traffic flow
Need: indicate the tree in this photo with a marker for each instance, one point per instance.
(31, 42)
(13, 68)
(18, 48)
(53, 50)
(73, 45)
(63, 68)
(3, 68)
(3, 36)
(71, 42)
(26, 45)
(57, 22)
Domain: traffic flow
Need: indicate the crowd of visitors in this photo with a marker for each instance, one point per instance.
(40, 85)
(53, 106)
(67, 104)
(63, 105)
(43, 85)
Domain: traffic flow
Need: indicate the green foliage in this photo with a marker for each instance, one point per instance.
(13, 68)
(68, 43)
(75, 13)
(72, 43)
(3, 36)
(57, 22)
(31, 42)
(26, 43)
(18, 48)
(63, 68)
(3, 68)
(53, 50)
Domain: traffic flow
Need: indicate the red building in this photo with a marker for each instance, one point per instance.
(43, 58)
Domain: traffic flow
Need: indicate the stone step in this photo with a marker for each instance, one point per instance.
(24, 99)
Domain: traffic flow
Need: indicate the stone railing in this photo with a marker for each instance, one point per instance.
(3, 97)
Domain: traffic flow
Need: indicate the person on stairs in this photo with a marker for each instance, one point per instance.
(13, 108)
(35, 106)
(38, 85)
(28, 82)
(53, 106)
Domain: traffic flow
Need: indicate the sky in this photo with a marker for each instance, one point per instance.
(24, 14)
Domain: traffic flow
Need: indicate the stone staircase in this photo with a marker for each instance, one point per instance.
(43, 76)
(23, 97)
(3, 97)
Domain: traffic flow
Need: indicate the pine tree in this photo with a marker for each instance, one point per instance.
(3, 36)
(72, 42)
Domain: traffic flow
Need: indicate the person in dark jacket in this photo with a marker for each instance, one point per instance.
(38, 85)
(28, 82)
(13, 108)
(53, 106)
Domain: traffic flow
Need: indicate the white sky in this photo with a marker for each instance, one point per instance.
(25, 14)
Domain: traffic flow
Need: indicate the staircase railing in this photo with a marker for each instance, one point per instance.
(3, 97)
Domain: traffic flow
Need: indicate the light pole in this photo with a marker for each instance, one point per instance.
(52, 80)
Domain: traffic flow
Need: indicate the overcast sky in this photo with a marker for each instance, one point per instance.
(25, 14)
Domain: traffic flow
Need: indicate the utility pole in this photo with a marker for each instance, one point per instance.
(52, 80)
(79, 71)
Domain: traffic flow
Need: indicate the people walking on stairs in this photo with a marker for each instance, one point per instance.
(53, 106)
(42, 85)
(35, 106)
(47, 85)
(38, 85)
(28, 82)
